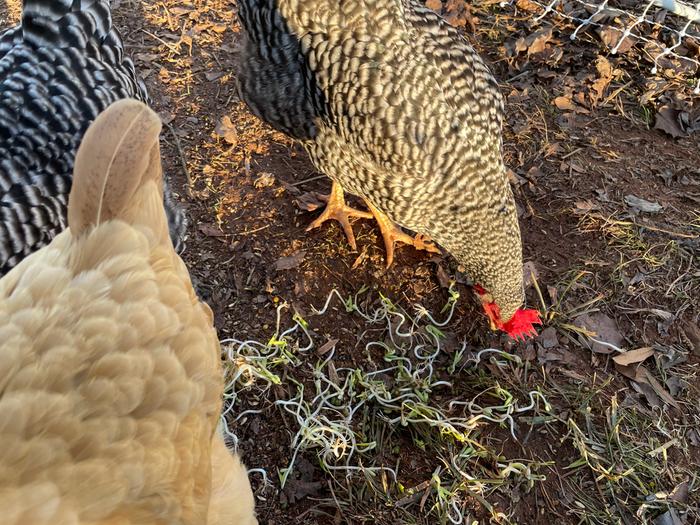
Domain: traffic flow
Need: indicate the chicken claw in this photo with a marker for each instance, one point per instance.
(341, 212)
(393, 233)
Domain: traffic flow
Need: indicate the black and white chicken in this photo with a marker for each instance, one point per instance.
(395, 106)
(59, 68)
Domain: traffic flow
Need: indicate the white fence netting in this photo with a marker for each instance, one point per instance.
(666, 31)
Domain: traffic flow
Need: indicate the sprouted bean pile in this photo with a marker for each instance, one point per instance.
(346, 416)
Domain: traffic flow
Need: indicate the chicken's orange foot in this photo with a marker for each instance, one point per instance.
(341, 212)
(393, 233)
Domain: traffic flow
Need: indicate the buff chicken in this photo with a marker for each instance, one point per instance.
(110, 366)
(395, 106)
(60, 67)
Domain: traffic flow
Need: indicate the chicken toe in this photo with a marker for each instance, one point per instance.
(393, 233)
(341, 212)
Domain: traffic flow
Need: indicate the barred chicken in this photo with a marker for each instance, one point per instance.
(110, 365)
(61, 66)
(395, 106)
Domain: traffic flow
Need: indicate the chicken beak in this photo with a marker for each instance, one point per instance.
(492, 324)
(486, 302)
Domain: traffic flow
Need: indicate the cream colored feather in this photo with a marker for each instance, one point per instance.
(110, 375)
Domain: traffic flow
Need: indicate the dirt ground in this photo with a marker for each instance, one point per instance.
(609, 210)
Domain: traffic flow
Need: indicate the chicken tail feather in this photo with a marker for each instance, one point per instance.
(117, 173)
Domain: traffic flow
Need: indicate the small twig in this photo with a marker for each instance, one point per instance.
(183, 161)
(248, 232)
(310, 179)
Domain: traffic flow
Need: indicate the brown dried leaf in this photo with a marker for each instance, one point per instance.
(146, 58)
(310, 201)
(583, 207)
(648, 392)
(435, 5)
(660, 391)
(364, 255)
(611, 36)
(537, 41)
(227, 130)
(458, 14)
(213, 75)
(633, 356)
(527, 5)
(211, 230)
(530, 273)
(604, 68)
(264, 180)
(605, 75)
(604, 329)
(630, 372)
(564, 103)
(575, 166)
(297, 490)
(571, 374)
(548, 338)
(442, 276)
(290, 262)
(327, 346)
(680, 492)
(692, 332)
(667, 121)
(520, 45)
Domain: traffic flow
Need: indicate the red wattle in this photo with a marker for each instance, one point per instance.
(521, 324)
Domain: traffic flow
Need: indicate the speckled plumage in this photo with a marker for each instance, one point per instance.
(391, 102)
(110, 365)
(58, 69)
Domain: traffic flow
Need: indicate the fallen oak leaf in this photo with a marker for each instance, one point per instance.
(297, 490)
(583, 207)
(219, 28)
(633, 356)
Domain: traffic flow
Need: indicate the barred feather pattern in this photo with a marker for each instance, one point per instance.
(394, 104)
(59, 69)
